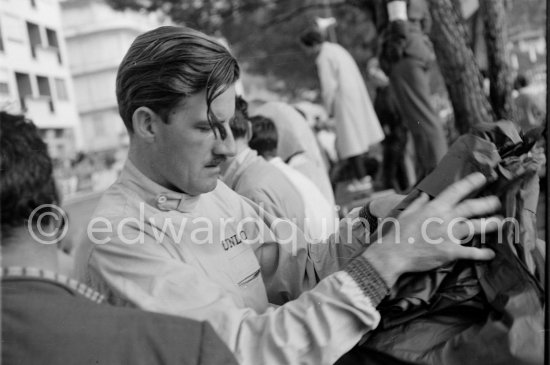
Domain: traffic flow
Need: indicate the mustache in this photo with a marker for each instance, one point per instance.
(216, 161)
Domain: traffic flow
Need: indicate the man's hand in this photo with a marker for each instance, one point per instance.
(429, 232)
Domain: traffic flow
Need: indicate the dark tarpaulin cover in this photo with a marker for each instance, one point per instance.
(466, 312)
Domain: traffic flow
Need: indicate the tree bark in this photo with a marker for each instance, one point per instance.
(458, 66)
(380, 14)
(496, 35)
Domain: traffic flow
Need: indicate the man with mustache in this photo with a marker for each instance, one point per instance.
(170, 237)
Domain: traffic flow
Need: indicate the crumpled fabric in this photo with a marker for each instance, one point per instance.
(468, 312)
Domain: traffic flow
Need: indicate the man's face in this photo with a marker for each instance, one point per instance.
(187, 152)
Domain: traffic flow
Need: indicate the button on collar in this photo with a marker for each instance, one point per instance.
(167, 201)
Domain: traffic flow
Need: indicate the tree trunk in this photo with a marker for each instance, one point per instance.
(380, 14)
(458, 66)
(496, 34)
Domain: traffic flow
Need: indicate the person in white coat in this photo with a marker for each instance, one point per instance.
(346, 99)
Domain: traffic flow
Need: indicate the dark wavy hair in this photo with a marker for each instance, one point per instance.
(169, 63)
(239, 124)
(520, 81)
(264, 136)
(26, 179)
(311, 37)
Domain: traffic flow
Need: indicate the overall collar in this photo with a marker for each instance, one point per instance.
(154, 194)
(238, 165)
(277, 161)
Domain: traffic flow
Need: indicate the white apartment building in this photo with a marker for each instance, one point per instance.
(97, 38)
(34, 72)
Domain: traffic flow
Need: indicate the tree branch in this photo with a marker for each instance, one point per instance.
(299, 10)
(247, 8)
(496, 34)
(458, 66)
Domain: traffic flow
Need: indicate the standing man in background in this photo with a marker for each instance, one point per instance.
(346, 99)
(406, 57)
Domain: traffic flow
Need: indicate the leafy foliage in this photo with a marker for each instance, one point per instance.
(263, 33)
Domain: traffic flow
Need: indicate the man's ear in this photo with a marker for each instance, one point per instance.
(248, 131)
(144, 121)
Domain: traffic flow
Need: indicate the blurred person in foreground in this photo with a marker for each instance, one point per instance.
(346, 99)
(320, 216)
(48, 318)
(251, 176)
(170, 237)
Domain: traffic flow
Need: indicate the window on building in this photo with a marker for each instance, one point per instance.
(23, 84)
(58, 133)
(52, 38)
(48, 135)
(1, 40)
(24, 87)
(43, 86)
(33, 3)
(52, 42)
(61, 89)
(4, 88)
(34, 37)
(61, 150)
(44, 90)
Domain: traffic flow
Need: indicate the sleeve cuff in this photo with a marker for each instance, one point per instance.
(368, 280)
